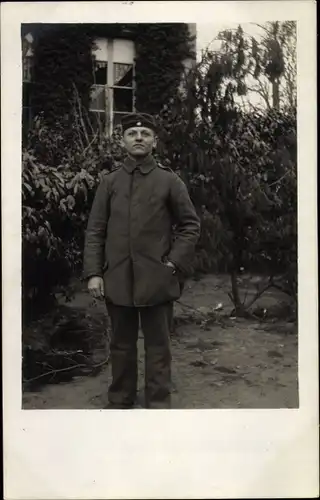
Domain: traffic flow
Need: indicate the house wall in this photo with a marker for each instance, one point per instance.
(121, 51)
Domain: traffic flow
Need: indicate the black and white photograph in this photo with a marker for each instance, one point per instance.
(159, 249)
(159, 216)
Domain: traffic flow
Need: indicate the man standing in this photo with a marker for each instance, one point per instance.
(135, 261)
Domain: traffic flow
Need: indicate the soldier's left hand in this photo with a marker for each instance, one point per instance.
(172, 265)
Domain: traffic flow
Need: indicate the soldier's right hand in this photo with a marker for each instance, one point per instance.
(96, 287)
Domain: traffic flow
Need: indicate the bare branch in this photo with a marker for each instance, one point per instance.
(68, 368)
(80, 114)
(258, 294)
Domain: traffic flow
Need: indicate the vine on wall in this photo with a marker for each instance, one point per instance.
(63, 62)
(161, 50)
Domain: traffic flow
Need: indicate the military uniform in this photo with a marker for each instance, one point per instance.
(129, 237)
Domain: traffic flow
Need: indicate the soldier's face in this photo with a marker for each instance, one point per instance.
(139, 141)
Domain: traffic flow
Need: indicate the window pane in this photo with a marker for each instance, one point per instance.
(98, 98)
(123, 75)
(26, 69)
(27, 42)
(123, 100)
(123, 51)
(100, 49)
(100, 73)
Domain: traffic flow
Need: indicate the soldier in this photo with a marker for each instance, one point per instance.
(136, 262)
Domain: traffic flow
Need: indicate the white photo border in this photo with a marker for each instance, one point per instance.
(86, 454)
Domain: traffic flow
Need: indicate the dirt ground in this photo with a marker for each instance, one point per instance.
(219, 361)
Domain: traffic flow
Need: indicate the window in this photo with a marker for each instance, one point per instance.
(99, 96)
(27, 63)
(112, 93)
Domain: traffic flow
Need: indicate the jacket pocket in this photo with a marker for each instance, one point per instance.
(155, 282)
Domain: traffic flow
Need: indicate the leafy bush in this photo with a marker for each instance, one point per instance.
(60, 173)
(240, 166)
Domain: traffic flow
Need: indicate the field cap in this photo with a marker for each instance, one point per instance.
(138, 120)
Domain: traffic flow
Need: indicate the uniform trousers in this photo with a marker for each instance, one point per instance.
(155, 325)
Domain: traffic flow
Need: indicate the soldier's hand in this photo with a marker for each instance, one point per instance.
(96, 287)
(172, 265)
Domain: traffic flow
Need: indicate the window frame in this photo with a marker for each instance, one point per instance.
(27, 81)
(108, 111)
(110, 87)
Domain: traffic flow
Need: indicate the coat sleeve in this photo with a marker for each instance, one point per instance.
(187, 225)
(95, 237)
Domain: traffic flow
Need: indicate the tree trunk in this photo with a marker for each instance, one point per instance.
(238, 306)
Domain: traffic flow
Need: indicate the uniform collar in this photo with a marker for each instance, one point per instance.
(145, 165)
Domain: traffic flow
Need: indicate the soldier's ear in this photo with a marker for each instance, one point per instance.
(155, 141)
